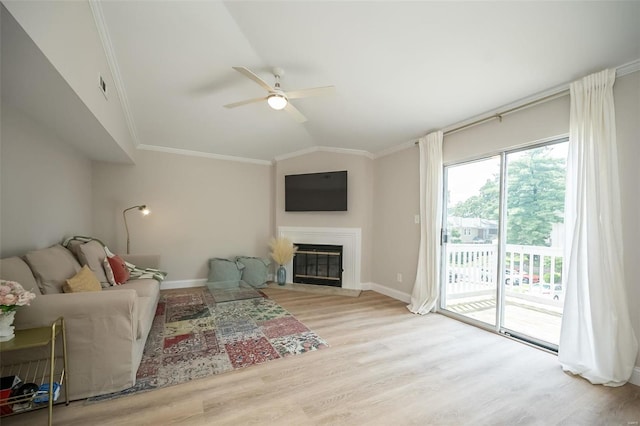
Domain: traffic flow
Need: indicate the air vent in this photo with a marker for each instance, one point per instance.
(102, 85)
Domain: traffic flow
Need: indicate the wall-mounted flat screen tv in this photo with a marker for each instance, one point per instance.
(316, 192)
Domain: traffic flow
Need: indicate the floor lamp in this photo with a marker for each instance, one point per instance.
(143, 209)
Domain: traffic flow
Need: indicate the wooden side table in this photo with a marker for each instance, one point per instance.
(39, 371)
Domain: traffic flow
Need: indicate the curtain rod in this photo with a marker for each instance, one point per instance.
(499, 115)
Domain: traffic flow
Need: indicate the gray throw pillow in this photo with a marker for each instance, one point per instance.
(224, 270)
(92, 254)
(52, 267)
(255, 270)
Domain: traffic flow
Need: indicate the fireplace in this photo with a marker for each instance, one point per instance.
(348, 238)
(319, 264)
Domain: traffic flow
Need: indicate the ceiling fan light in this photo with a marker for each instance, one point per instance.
(277, 102)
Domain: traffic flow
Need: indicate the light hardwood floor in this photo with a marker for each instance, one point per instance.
(385, 366)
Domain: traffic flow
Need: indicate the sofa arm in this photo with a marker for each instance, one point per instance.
(101, 329)
(44, 309)
(143, 260)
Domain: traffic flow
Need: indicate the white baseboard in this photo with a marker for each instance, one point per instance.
(635, 376)
(365, 286)
(391, 292)
(168, 285)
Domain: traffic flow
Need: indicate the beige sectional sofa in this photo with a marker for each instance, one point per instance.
(106, 330)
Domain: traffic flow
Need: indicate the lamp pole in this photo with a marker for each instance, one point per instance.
(143, 209)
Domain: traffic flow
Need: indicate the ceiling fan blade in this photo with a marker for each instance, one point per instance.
(247, 73)
(245, 102)
(307, 93)
(297, 115)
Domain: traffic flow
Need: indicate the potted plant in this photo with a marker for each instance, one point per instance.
(282, 251)
(12, 295)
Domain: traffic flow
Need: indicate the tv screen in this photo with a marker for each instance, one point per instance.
(316, 192)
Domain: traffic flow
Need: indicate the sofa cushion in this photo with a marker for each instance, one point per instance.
(255, 270)
(52, 267)
(15, 269)
(147, 291)
(224, 270)
(147, 310)
(120, 270)
(144, 287)
(85, 280)
(92, 254)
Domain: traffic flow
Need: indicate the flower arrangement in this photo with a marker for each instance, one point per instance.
(13, 295)
(282, 250)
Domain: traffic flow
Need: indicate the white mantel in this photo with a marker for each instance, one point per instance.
(349, 238)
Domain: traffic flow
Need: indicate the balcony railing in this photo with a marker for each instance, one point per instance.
(529, 271)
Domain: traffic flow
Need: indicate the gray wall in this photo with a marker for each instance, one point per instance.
(397, 199)
(396, 236)
(360, 197)
(45, 186)
(200, 208)
(627, 101)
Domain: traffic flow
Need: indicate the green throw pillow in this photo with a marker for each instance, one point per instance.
(255, 270)
(224, 270)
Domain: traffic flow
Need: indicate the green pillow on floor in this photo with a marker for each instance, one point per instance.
(224, 270)
(255, 270)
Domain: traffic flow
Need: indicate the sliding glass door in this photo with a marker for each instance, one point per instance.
(534, 236)
(470, 246)
(503, 242)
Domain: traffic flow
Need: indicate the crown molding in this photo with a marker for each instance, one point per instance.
(103, 32)
(394, 149)
(191, 153)
(530, 101)
(313, 149)
(557, 91)
(628, 68)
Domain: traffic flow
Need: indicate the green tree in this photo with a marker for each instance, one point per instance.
(535, 197)
(455, 236)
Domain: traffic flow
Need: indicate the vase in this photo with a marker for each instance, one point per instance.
(281, 275)
(6, 325)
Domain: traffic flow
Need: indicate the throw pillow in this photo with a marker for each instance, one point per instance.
(51, 267)
(120, 270)
(255, 270)
(92, 254)
(108, 272)
(85, 280)
(224, 270)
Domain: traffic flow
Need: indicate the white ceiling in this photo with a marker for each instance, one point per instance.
(400, 68)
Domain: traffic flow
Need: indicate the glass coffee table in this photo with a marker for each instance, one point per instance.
(228, 291)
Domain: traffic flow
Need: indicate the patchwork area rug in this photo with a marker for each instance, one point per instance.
(196, 333)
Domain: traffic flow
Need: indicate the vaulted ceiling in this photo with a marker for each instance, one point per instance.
(400, 68)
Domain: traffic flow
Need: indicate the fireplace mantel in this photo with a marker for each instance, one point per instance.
(348, 238)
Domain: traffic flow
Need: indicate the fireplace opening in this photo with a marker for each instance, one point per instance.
(318, 264)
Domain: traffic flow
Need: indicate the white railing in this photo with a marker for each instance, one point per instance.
(472, 269)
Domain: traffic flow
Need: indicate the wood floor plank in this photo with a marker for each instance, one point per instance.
(384, 366)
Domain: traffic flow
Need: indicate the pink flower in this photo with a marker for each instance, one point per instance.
(12, 294)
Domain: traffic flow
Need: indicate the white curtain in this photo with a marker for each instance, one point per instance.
(426, 288)
(597, 340)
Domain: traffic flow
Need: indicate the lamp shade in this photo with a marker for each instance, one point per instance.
(276, 101)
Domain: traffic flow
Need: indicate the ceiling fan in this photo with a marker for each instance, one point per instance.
(277, 98)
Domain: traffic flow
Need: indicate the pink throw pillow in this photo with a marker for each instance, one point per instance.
(120, 270)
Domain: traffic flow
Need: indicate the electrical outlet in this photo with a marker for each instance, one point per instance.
(399, 277)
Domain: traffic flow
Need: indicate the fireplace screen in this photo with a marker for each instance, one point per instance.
(318, 264)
